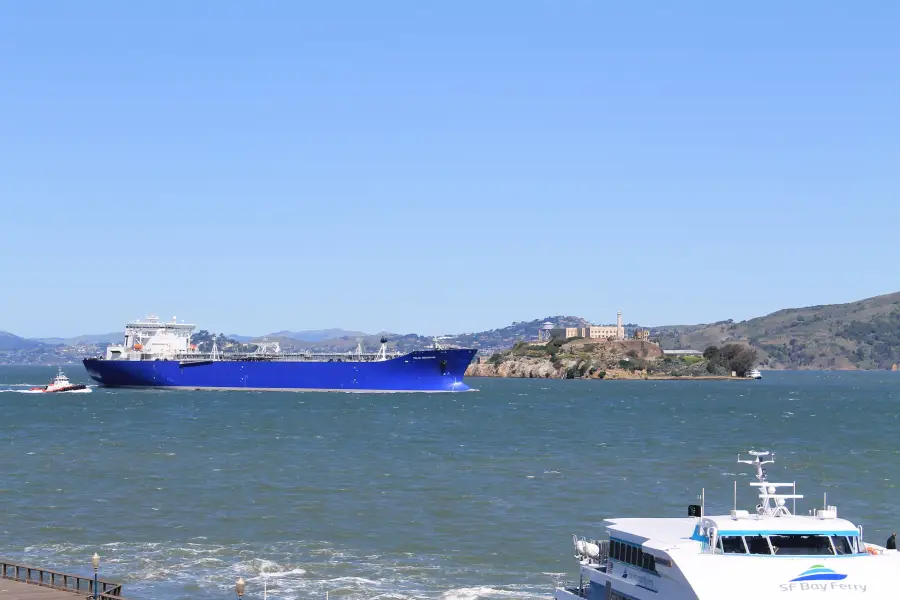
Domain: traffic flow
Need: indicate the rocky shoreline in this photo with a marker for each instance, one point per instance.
(593, 359)
(543, 372)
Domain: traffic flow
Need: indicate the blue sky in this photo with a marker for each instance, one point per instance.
(443, 167)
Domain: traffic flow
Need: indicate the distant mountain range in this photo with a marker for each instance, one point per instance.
(81, 339)
(857, 335)
(10, 342)
(312, 335)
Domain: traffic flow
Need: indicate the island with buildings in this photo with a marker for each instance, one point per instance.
(607, 352)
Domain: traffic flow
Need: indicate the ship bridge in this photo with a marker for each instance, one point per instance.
(151, 337)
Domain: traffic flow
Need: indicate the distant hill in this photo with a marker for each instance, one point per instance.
(10, 342)
(506, 337)
(347, 343)
(239, 338)
(98, 338)
(858, 335)
(315, 335)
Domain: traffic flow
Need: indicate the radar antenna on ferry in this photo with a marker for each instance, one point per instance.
(760, 471)
(768, 490)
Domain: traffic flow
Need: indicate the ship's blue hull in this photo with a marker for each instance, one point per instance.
(420, 371)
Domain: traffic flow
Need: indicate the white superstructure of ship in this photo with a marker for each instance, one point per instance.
(153, 339)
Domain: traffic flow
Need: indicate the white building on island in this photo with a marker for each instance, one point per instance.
(594, 332)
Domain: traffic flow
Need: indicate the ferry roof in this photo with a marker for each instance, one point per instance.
(680, 530)
(672, 531)
(783, 524)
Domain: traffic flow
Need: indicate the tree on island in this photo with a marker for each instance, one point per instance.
(737, 358)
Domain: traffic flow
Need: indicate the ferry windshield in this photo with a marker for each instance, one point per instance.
(801, 544)
(810, 544)
(758, 544)
(732, 544)
(842, 544)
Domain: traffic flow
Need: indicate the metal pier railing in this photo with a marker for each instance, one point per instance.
(63, 582)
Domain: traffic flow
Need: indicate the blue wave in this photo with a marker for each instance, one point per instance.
(819, 573)
(821, 577)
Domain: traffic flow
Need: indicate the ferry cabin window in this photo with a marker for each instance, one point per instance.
(757, 544)
(842, 544)
(732, 544)
(801, 545)
(631, 554)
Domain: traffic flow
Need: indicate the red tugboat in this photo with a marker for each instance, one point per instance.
(60, 383)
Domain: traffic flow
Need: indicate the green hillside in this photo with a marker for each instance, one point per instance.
(857, 335)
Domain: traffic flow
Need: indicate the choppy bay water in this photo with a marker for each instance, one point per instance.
(462, 496)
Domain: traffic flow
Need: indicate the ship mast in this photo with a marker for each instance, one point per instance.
(768, 490)
(382, 352)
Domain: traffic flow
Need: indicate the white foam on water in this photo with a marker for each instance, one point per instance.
(487, 593)
(290, 570)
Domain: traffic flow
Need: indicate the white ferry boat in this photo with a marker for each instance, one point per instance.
(754, 374)
(767, 553)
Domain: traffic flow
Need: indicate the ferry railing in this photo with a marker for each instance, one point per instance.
(579, 588)
(57, 580)
(600, 561)
(604, 551)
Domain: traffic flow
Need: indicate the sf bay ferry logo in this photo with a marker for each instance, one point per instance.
(820, 578)
(819, 573)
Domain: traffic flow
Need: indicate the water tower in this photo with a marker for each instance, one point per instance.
(544, 332)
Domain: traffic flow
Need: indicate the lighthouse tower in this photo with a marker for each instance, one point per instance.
(620, 330)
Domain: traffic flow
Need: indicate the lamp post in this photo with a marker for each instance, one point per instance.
(95, 560)
(239, 587)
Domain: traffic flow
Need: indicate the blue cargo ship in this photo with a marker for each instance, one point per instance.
(159, 354)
